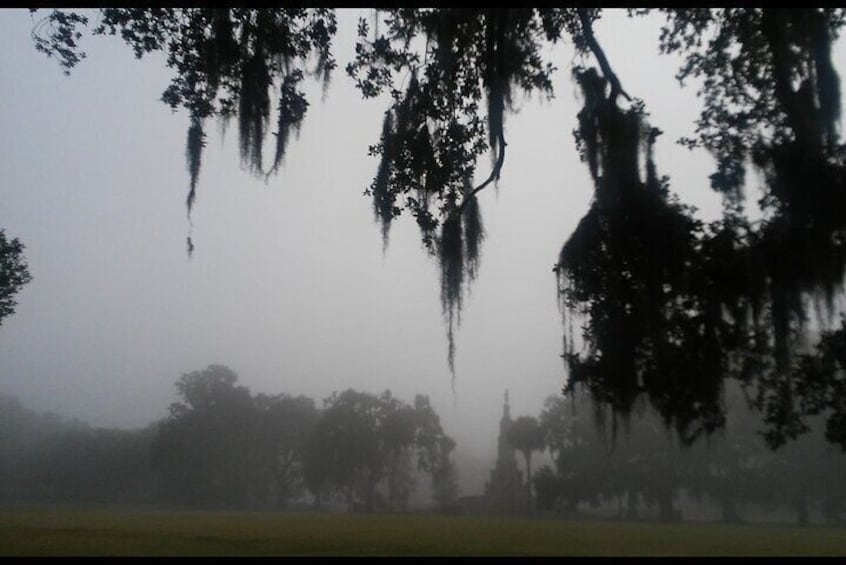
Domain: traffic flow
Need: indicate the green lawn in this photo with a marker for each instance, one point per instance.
(110, 532)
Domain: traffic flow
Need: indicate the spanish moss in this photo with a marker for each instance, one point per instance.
(292, 109)
(193, 150)
(474, 233)
(253, 111)
(435, 131)
(451, 261)
(383, 199)
(458, 255)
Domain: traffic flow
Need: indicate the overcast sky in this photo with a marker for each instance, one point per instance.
(288, 284)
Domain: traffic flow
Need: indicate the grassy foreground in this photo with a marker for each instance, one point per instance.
(123, 532)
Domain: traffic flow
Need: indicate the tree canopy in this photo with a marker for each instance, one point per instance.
(669, 306)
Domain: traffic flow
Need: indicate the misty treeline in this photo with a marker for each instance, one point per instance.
(644, 468)
(222, 446)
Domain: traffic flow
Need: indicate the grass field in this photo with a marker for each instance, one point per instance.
(90, 532)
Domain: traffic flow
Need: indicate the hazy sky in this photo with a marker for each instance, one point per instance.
(288, 285)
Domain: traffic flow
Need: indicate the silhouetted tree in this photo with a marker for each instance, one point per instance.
(642, 466)
(398, 434)
(670, 306)
(651, 463)
(550, 490)
(729, 467)
(445, 474)
(14, 274)
(202, 451)
(318, 466)
(282, 431)
(349, 433)
(363, 440)
(807, 474)
(434, 452)
(581, 457)
(645, 465)
(526, 437)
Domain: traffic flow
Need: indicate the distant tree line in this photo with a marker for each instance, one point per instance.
(44, 458)
(644, 466)
(221, 446)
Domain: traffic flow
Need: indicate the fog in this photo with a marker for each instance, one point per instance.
(288, 284)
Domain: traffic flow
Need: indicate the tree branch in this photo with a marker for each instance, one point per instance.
(587, 29)
(494, 176)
